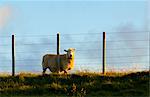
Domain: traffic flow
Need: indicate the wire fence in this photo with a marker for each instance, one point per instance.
(124, 51)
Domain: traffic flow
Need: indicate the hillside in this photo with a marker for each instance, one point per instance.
(81, 84)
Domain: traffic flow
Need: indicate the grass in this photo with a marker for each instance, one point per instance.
(79, 84)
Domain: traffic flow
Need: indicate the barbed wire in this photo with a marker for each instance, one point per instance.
(80, 50)
(84, 56)
(94, 64)
(35, 44)
(99, 57)
(116, 65)
(71, 42)
(127, 40)
(81, 33)
(127, 48)
(86, 51)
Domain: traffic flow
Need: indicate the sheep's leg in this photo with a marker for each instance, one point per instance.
(65, 72)
(44, 70)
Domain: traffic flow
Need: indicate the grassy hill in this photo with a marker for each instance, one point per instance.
(80, 85)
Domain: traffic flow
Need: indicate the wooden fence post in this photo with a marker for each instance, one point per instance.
(104, 53)
(13, 55)
(58, 47)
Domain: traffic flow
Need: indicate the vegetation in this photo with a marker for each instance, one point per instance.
(79, 84)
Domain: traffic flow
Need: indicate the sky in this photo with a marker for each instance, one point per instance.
(80, 23)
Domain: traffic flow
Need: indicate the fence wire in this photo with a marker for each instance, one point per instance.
(124, 52)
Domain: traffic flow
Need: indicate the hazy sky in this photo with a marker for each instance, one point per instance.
(72, 19)
(72, 16)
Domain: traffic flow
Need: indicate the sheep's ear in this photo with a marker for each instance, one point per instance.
(65, 50)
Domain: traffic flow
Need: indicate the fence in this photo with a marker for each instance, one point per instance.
(124, 51)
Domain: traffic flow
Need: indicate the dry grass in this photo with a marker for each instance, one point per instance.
(79, 84)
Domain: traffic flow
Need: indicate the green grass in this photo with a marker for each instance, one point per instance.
(79, 84)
